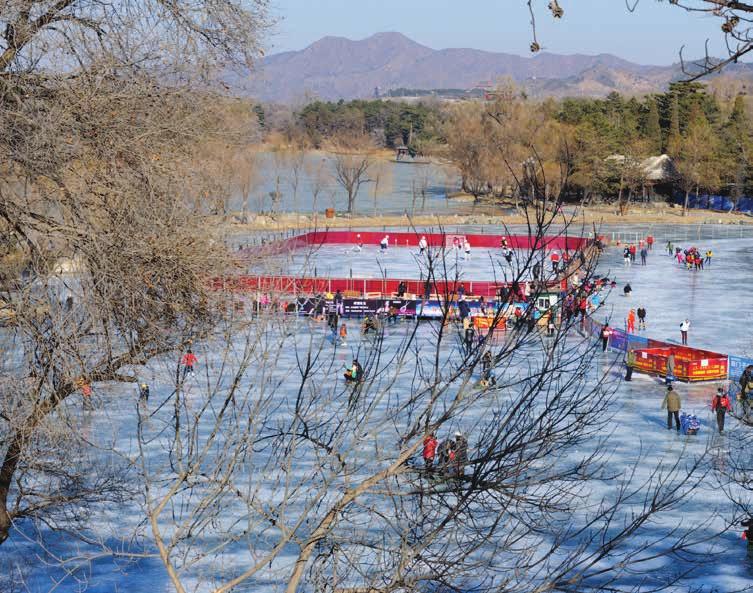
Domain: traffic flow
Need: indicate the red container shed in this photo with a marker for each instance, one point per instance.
(691, 364)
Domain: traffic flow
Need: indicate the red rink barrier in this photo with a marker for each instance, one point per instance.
(691, 364)
(411, 239)
(360, 287)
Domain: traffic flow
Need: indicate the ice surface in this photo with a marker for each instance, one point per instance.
(715, 300)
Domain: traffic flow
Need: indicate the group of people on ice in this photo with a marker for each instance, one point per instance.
(720, 406)
(449, 456)
(691, 258)
(630, 252)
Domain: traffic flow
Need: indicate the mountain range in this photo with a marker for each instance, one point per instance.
(338, 68)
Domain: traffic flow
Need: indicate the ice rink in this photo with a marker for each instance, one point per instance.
(716, 300)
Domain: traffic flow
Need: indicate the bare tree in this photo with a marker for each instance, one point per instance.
(105, 263)
(735, 18)
(351, 172)
(271, 467)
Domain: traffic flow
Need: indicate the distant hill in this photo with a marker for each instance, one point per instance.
(338, 68)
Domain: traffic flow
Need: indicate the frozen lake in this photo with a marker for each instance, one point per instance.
(716, 301)
(307, 183)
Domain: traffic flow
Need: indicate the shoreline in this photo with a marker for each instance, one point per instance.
(485, 215)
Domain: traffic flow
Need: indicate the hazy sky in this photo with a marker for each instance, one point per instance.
(653, 34)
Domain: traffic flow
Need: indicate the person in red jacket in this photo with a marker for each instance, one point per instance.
(631, 322)
(650, 242)
(583, 307)
(555, 259)
(189, 359)
(632, 251)
(430, 450)
(720, 404)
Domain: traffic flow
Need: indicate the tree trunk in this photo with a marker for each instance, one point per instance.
(696, 195)
(685, 205)
(619, 196)
(14, 452)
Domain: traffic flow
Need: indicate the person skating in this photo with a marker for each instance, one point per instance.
(486, 361)
(507, 253)
(343, 334)
(189, 360)
(644, 255)
(550, 327)
(464, 309)
(606, 331)
(469, 339)
(627, 289)
(670, 371)
(384, 243)
(630, 321)
(422, 245)
(482, 305)
(144, 393)
(354, 374)
(626, 257)
(332, 322)
(555, 259)
(369, 325)
(709, 255)
(401, 289)
(339, 309)
(467, 249)
(446, 455)
(461, 453)
(641, 318)
(720, 404)
(629, 364)
(684, 329)
(583, 308)
(746, 386)
(430, 450)
(670, 248)
(86, 394)
(650, 242)
(633, 250)
(748, 533)
(672, 404)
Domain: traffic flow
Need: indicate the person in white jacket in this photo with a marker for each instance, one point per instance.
(684, 329)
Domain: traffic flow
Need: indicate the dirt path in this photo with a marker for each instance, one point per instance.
(488, 215)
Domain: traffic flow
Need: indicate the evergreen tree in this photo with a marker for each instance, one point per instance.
(737, 148)
(652, 127)
(260, 116)
(674, 140)
(699, 162)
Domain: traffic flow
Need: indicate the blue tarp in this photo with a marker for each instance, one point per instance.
(744, 203)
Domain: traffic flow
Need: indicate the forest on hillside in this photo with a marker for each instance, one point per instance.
(584, 148)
